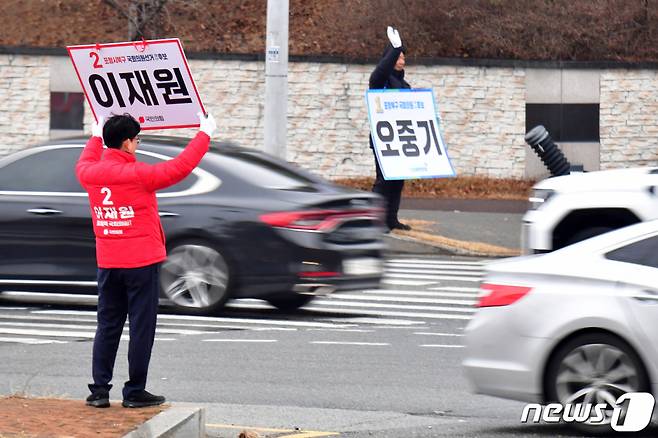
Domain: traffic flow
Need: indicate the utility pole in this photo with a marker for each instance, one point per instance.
(276, 78)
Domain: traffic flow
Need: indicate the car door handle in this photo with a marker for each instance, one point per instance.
(44, 211)
(650, 296)
(167, 214)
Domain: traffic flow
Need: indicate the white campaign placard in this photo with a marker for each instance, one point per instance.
(150, 80)
(406, 136)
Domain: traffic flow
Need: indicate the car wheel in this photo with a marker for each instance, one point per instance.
(290, 301)
(196, 277)
(594, 368)
(587, 233)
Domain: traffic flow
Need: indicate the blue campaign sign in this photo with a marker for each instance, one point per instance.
(406, 135)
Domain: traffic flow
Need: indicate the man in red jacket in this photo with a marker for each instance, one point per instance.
(130, 245)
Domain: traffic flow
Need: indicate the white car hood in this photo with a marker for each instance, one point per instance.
(633, 179)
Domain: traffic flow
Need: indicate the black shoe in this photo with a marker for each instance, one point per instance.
(142, 399)
(401, 226)
(99, 399)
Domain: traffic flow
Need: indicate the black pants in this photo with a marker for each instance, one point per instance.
(392, 193)
(125, 292)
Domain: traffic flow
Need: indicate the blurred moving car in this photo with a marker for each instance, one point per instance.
(568, 209)
(578, 325)
(243, 224)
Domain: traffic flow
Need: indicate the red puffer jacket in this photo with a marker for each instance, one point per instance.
(124, 209)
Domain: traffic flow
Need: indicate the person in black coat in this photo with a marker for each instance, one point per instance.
(389, 73)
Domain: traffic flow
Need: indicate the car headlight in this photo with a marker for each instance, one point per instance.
(539, 197)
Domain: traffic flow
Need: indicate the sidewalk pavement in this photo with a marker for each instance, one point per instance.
(460, 227)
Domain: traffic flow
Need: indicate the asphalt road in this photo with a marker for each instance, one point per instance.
(382, 363)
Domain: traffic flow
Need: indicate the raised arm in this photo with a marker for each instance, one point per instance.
(384, 69)
(168, 173)
(92, 151)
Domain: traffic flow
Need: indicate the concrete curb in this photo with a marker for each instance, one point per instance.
(407, 244)
(175, 422)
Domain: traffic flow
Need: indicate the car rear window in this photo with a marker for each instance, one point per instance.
(265, 173)
(643, 252)
(50, 170)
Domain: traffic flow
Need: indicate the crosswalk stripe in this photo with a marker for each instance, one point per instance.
(210, 318)
(428, 266)
(456, 289)
(432, 277)
(397, 306)
(391, 313)
(93, 328)
(32, 341)
(407, 299)
(240, 340)
(434, 272)
(438, 262)
(442, 346)
(406, 282)
(361, 344)
(387, 322)
(411, 293)
(54, 333)
(333, 304)
(403, 293)
(315, 308)
(439, 334)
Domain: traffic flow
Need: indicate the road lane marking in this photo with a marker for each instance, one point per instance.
(438, 334)
(93, 328)
(452, 267)
(402, 293)
(432, 272)
(340, 330)
(33, 341)
(389, 313)
(397, 306)
(433, 277)
(160, 323)
(442, 346)
(345, 296)
(407, 282)
(439, 262)
(240, 340)
(393, 323)
(210, 318)
(457, 289)
(372, 344)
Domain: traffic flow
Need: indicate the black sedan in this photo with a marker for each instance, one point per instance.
(243, 225)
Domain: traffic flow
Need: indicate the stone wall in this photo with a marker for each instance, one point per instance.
(629, 118)
(24, 101)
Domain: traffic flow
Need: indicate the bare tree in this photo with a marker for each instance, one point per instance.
(140, 14)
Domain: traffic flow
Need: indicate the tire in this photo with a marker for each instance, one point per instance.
(196, 278)
(586, 234)
(590, 368)
(290, 301)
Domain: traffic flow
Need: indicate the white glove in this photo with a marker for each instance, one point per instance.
(207, 124)
(394, 37)
(97, 128)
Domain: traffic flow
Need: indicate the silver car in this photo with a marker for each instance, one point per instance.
(578, 325)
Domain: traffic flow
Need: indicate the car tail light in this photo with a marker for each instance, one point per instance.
(501, 294)
(317, 220)
(319, 274)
